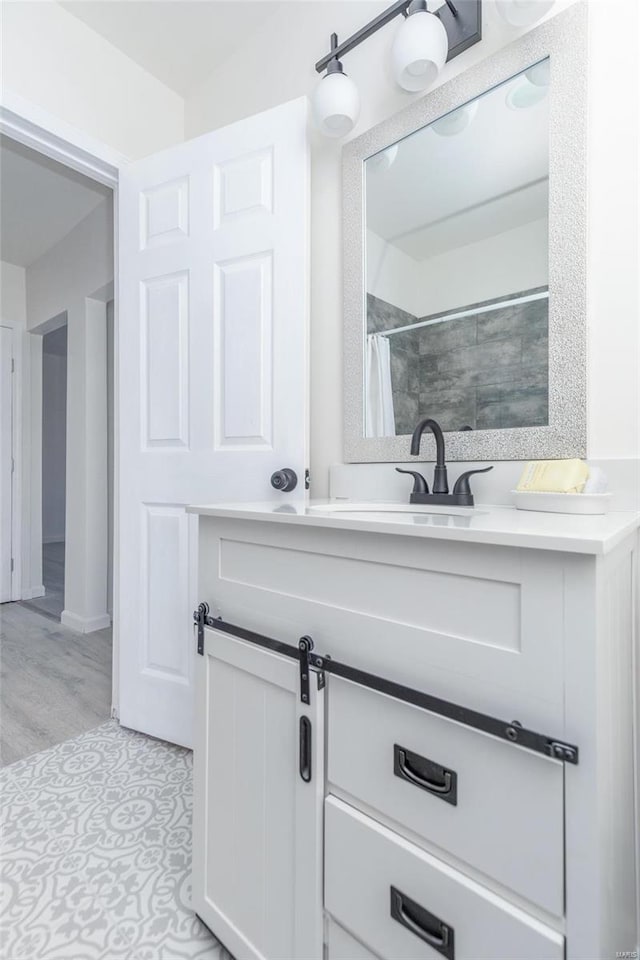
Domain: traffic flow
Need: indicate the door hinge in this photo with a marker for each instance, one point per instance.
(13, 365)
(11, 564)
(202, 619)
(13, 465)
(307, 479)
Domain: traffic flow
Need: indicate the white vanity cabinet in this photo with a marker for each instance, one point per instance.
(449, 770)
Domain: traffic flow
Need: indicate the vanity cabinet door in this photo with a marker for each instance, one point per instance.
(258, 793)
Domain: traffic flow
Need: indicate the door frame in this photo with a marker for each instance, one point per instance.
(47, 134)
(10, 324)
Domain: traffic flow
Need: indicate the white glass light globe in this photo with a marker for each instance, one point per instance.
(540, 73)
(522, 13)
(456, 121)
(383, 161)
(524, 94)
(336, 105)
(419, 51)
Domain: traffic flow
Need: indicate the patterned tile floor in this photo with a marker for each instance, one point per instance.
(95, 855)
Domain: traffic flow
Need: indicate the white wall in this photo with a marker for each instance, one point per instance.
(52, 59)
(54, 442)
(254, 80)
(13, 303)
(77, 266)
(506, 263)
(391, 273)
(86, 539)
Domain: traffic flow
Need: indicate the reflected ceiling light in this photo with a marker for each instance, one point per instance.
(456, 121)
(336, 101)
(383, 161)
(522, 13)
(419, 52)
(420, 48)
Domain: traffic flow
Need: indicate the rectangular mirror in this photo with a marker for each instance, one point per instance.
(457, 267)
(460, 310)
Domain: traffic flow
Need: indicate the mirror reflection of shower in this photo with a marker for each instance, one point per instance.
(457, 267)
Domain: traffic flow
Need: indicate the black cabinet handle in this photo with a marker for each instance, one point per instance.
(425, 774)
(423, 924)
(305, 749)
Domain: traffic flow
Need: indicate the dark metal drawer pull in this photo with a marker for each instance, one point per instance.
(305, 749)
(423, 924)
(426, 774)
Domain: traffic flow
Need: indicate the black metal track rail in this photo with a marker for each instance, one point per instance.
(511, 731)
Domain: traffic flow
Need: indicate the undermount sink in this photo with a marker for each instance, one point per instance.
(392, 508)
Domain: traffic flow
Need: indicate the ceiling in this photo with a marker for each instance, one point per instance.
(41, 201)
(442, 192)
(180, 42)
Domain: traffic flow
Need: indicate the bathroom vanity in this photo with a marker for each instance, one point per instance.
(414, 723)
(414, 732)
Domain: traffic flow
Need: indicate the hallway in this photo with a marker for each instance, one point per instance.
(52, 604)
(55, 684)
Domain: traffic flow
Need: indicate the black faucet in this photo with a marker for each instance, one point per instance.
(440, 482)
(461, 495)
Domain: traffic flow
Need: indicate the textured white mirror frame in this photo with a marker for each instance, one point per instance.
(564, 40)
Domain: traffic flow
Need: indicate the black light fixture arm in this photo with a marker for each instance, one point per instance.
(395, 10)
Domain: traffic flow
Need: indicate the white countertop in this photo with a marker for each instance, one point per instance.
(504, 526)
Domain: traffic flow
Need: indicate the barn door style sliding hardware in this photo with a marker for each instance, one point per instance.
(312, 662)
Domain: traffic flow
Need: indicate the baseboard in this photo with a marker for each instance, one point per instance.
(32, 593)
(84, 624)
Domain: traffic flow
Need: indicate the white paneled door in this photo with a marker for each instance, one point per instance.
(213, 360)
(6, 463)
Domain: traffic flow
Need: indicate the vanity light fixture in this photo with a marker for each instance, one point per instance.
(336, 102)
(522, 13)
(420, 48)
(423, 43)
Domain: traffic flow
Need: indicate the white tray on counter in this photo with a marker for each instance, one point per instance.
(584, 503)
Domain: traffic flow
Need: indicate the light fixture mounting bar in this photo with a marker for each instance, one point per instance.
(462, 21)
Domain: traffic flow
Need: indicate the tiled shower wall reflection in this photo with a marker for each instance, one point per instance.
(485, 372)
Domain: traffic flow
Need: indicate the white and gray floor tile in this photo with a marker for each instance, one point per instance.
(96, 853)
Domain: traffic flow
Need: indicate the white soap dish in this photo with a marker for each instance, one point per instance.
(584, 503)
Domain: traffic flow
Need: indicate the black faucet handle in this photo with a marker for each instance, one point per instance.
(420, 485)
(462, 483)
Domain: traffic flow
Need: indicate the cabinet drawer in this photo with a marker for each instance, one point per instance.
(406, 905)
(342, 946)
(480, 625)
(492, 805)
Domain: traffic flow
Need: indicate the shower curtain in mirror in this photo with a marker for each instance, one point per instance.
(380, 418)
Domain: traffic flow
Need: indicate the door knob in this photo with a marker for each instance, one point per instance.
(284, 480)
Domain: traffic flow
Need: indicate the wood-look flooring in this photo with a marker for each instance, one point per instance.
(54, 684)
